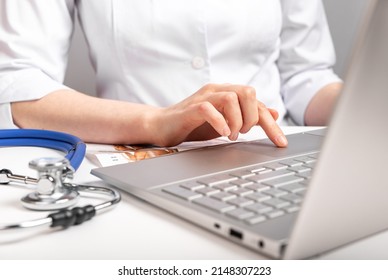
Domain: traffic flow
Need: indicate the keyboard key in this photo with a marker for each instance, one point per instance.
(258, 169)
(259, 208)
(293, 187)
(291, 208)
(275, 192)
(181, 192)
(240, 201)
(276, 203)
(305, 159)
(258, 196)
(217, 179)
(192, 185)
(310, 165)
(256, 220)
(258, 187)
(306, 182)
(299, 168)
(283, 181)
(275, 166)
(240, 213)
(275, 214)
(225, 187)
(270, 175)
(242, 174)
(213, 204)
(290, 162)
(241, 182)
(241, 191)
(306, 175)
(223, 196)
(207, 191)
(293, 198)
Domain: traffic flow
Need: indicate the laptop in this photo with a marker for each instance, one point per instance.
(326, 189)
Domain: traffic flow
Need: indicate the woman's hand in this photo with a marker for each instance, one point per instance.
(213, 111)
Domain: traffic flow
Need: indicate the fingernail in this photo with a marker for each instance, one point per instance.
(281, 140)
(234, 137)
(226, 131)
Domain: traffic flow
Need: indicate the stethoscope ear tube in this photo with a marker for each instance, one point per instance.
(72, 146)
(71, 217)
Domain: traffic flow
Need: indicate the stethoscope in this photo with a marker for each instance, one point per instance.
(52, 192)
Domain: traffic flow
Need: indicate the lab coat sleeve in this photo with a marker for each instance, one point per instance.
(306, 55)
(34, 43)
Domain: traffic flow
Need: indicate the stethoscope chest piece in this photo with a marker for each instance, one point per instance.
(51, 193)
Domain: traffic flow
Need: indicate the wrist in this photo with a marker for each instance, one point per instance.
(152, 126)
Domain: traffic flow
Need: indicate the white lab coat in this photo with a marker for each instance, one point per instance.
(161, 51)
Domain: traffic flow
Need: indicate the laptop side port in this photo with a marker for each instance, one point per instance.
(235, 233)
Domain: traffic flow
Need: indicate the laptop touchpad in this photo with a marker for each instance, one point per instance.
(297, 144)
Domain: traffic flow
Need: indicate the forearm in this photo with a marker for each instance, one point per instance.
(321, 107)
(92, 119)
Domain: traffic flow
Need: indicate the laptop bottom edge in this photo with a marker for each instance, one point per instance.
(257, 242)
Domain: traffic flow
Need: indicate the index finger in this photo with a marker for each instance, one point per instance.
(270, 127)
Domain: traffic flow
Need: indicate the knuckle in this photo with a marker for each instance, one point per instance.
(204, 107)
(261, 105)
(209, 87)
(250, 92)
(229, 97)
(251, 95)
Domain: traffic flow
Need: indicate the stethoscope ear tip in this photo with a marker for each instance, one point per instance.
(4, 176)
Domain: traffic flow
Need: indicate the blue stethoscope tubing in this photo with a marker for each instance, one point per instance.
(72, 146)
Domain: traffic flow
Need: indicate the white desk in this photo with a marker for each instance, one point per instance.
(133, 230)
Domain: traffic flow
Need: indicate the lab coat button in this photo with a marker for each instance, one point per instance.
(198, 62)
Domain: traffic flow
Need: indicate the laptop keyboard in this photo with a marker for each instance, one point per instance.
(253, 195)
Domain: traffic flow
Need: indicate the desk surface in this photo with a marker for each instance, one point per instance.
(132, 230)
